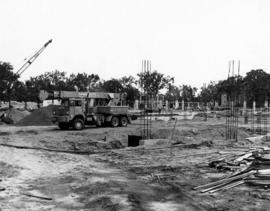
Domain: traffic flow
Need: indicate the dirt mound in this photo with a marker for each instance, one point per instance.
(12, 116)
(165, 133)
(40, 117)
(89, 146)
(100, 145)
(155, 142)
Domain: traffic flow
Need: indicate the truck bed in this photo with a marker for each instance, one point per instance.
(112, 109)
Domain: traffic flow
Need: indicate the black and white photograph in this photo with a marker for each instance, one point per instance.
(135, 105)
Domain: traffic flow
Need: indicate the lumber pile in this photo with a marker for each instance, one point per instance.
(251, 168)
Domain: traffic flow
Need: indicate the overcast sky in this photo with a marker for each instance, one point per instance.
(192, 40)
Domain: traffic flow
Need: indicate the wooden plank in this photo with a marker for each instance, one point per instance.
(226, 180)
(226, 187)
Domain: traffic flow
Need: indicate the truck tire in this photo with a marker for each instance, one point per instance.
(63, 125)
(115, 121)
(124, 121)
(78, 124)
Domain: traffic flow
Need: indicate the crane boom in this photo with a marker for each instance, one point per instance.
(32, 59)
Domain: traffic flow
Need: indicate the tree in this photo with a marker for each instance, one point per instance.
(50, 81)
(188, 92)
(124, 85)
(153, 82)
(132, 93)
(113, 85)
(127, 81)
(173, 93)
(209, 93)
(83, 81)
(54, 80)
(20, 92)
(232, 86)
(7, 80)
(256, 86)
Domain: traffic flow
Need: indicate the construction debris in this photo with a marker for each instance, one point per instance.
(252, 168)
(162, 177)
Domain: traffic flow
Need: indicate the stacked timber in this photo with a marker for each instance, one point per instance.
(256, 171)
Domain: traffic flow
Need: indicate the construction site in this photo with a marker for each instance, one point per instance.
(140, 142)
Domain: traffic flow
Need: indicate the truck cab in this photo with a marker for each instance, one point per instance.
(71, 112)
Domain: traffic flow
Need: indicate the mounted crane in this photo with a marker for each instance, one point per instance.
(22, 69)
(32, 59)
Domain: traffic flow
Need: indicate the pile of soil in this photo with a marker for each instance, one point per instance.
(39, 117)
(206, 114)
(13, 116)
(89, 146)
(99, 145)
(155, 142)
(166, 133)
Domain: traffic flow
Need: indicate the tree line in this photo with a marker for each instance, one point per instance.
(254, 86)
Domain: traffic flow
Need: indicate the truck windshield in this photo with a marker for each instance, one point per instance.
(67, 102)
(64, 103)
(75, 103)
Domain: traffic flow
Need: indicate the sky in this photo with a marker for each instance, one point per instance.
(191, 40)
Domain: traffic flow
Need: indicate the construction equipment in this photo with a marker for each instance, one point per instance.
(22, 69)
(32, 59)
(78, 109)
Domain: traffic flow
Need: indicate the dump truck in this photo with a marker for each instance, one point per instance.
(78, 109)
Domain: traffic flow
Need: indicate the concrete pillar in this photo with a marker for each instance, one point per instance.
(216, 104)
(160, 103)
(244, 107)
(208, 107)
(188, 106)
(266, 104)
(176, 104)
(136, 104)
(245, 114)
(254, 106)
(167, 105)
(183, 105)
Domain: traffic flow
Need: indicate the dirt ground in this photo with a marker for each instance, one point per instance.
(44, 168)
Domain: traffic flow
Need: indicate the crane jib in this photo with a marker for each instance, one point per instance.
(32, 59)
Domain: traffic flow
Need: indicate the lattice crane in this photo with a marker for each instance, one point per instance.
(32, 59)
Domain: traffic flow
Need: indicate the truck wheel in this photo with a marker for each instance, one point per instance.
(78, 124)
(115, 121)
(124, 121)
(63, 125)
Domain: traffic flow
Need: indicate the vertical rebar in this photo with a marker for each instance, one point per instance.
(146, 117)
(233, 102)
